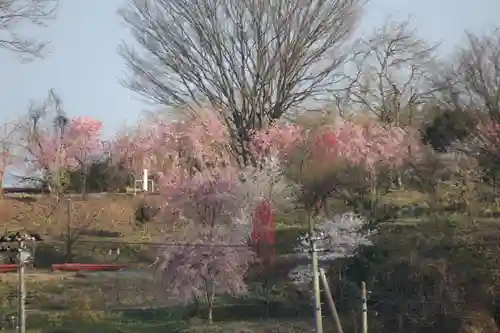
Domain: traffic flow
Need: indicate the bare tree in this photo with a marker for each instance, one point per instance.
(472, 81)
(470, 88)
(8, 148)
(392, 69)
(253, 59)
(78, 221)
(14, 14)
(41, 141)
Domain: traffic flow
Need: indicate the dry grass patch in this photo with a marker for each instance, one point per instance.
(111, 215)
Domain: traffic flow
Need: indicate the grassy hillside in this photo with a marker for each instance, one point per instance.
(130, 302)
(107, 214)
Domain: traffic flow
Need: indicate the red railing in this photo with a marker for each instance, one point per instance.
(7, 268)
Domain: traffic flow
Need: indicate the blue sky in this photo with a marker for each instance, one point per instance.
(84, 68)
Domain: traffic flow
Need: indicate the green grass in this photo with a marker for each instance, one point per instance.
(286, 238)
(114, 303)
(91, 249)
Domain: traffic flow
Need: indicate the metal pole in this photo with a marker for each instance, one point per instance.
(315, 265)
(364, 309)
(317, 292)
(23, 256)
(331, 303)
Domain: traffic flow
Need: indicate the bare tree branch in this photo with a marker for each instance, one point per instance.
(254, 59)
(392, 72)
(473, 81)
(8, 148)
(16, 13)
(78, 221)
(43, 119)
(470, 88)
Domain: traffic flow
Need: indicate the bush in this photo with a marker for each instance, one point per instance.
(145, 213)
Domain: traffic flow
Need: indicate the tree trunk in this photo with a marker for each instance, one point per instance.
(210, 315)
(373, 192)
(210, 301)
(69, 234)
(69, 249)
(196, 312)
(84, 183)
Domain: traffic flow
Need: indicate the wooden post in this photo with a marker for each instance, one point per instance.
(331, 303)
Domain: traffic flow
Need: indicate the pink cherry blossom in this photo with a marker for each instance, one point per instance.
(82, 142)
(485, 139)
(77, 146)
(198, 141)
(279, 139)
(372, 145)
(212, 201)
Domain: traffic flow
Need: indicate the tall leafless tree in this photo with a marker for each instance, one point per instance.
(253, 59)
(472, 81)
(9, 139)
(43, 119)
(16, 13)
(472, 89)
(391, 72)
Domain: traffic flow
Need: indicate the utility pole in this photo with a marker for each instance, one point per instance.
(23, 256)
(317, 292)
(316, 286)
(364, 309)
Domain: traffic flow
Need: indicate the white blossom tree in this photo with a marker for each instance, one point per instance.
(340, 237)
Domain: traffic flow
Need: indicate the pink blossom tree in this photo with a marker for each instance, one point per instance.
(44, 152)
(374, 147)
(270, 146)
(71, 144)
(279, 140)
(133, 148)
(321, 158)
(198, 142)
(212, 200)
(330, 153)
(83, 145)
(215, 213)
(214, 222)
(483, 142)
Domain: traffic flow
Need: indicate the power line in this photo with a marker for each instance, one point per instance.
(176, 244)
(262, 245)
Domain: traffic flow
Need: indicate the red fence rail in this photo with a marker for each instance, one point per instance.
(9, 268)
